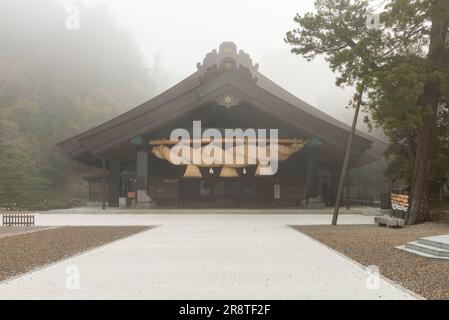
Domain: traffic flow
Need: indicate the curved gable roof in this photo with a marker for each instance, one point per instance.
(225, 71)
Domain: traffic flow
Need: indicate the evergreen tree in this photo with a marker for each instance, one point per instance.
(55, 83)
(402, 65)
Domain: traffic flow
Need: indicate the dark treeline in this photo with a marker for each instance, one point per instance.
(54, 83)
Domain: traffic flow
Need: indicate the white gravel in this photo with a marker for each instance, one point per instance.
(204, 256)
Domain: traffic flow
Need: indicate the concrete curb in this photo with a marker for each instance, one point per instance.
(28, 231)
(85, 210)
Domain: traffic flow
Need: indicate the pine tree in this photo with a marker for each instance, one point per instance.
(403, 65)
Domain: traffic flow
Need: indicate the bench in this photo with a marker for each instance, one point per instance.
(389, 222)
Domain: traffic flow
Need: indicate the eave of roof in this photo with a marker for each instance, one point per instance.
(207, 83)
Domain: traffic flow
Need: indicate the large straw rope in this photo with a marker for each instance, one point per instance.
(210, 155)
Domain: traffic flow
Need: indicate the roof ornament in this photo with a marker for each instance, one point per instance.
(227, 59)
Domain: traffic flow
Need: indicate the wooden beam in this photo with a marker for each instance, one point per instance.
(157, 142)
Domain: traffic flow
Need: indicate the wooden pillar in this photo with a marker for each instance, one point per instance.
(103, 187)
(313, 198)
(143, 198)
(348, 190)
(113, 182)
(333, 185)
(312, 173)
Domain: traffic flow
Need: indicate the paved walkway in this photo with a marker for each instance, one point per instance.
(205, 256)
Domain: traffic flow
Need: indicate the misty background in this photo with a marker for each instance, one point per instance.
(174, 35)
(56, 82)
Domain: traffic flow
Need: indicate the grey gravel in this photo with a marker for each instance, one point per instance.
(25, 252)
(371, 245)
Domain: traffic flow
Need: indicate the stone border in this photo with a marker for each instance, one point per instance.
(96, 210)
(36, 229)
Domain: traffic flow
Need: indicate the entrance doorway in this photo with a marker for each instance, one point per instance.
(226, 192)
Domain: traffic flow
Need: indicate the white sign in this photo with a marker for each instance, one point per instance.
(277, 191)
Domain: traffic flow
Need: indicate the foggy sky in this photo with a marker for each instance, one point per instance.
(179, 33)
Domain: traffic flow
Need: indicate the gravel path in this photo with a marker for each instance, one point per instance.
(370, 245)
(205, 256)
(25, 252)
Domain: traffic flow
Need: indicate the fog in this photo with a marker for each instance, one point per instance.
(179, 33)
(173, 35)
(60, 77)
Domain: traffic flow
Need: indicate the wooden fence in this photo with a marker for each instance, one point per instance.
(361, 202)
(18, 219)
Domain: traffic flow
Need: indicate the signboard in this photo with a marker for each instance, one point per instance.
(131, 195)
(400, 202)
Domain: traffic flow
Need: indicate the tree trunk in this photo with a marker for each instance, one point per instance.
(437, 57)
(411, 145)
(347, 155)
(419, 211)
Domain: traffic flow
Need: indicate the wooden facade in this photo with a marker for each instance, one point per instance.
(227, 91)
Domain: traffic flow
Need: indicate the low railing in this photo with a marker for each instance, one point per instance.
(94, 204)
(18, 219)
(361, 202)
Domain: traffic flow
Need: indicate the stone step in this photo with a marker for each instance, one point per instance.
(421, 253)
(436, 241)
(389, 221)
(418, 246)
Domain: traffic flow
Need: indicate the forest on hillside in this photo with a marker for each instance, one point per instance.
(54, 83)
